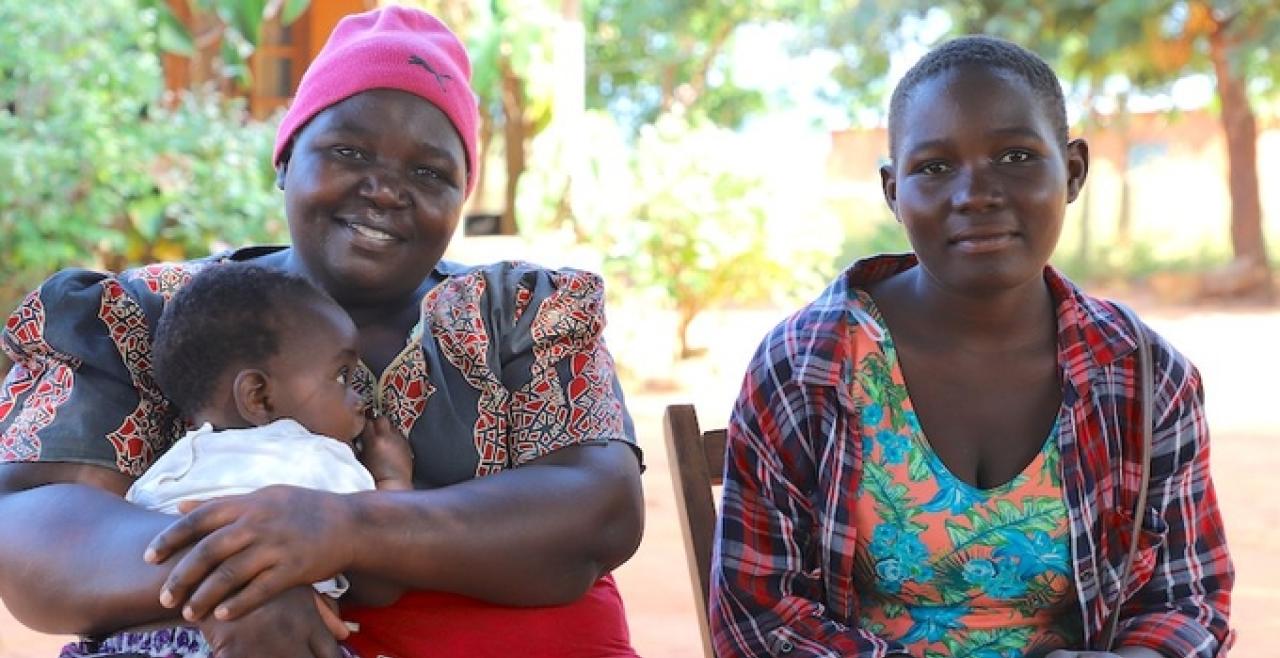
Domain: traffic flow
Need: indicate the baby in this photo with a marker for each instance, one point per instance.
(262, 364)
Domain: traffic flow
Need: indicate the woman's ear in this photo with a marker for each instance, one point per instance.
(889, 185)
(252, 392)
(1077, 167)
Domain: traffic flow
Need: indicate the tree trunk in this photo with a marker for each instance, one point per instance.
(567, 119)
(668, 89)
(698, 81)
(1248, 242)
(1124, 218)
(479, 197)
(515, 132)
(1084, 249)
(685, 316)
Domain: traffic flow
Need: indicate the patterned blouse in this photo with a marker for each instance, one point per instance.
(506, 364)
(783, 579)
(942, 566)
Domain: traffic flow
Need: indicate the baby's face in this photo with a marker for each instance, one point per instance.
(313, 375)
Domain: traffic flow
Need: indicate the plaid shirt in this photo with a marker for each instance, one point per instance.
(782, 576)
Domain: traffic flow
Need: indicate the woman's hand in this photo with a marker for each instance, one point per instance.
(292, 625)
(248, 549)
(387, 455)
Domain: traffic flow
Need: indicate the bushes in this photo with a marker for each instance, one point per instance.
(100, 168)
(698, 217)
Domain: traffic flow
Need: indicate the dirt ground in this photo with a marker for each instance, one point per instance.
(1233, 348)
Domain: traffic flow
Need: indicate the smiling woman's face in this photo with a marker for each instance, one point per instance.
(373, 190)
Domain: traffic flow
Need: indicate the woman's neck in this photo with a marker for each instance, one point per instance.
(1016, 318)
(383, 322)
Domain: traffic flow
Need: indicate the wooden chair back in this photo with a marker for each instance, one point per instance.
(696, 461)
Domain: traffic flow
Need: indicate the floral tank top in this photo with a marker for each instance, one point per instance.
(945, 567)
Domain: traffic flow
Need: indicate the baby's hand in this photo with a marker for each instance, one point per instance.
(387, 455)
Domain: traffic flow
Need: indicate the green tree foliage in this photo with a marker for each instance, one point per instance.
(705, 220)
(511, 44)
(515, 80)
(692, 219)
(862, 34)
(1235, 41)
(101, 168)
(646, 58)
(235, 34)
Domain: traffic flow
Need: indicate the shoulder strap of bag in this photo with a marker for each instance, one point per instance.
(1146, 383)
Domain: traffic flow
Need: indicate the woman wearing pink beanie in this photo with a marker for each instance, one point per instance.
(527, 475)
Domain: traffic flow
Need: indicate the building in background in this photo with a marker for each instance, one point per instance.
(276, 65)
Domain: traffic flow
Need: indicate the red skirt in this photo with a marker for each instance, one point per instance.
(439, 625)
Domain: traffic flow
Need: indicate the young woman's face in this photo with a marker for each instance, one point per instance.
(312, 378)
(981, 179)
(373, 189)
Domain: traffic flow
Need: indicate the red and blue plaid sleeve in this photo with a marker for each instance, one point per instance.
(1183, 609)
(769, 588)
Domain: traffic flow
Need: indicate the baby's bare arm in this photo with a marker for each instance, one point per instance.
(387, 455)
(372, 591)
(389, 459)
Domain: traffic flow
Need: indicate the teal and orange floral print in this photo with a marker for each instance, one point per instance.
(947, 568)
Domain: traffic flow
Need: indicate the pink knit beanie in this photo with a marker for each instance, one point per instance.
(391, 47)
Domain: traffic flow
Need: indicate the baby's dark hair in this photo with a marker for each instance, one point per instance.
(988, 52)
(228, 315)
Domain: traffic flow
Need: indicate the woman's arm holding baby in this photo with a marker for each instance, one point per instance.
(389, 459)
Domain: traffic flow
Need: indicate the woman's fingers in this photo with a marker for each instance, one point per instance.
(228, 581)
(285, 627)
(324, 646)
(189, 528)
(188, 506)
(329, 614)
(208, 559)
(247, 549)
(261, 588)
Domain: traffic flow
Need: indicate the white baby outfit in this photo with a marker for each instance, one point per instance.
(208, 463)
